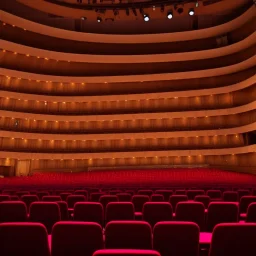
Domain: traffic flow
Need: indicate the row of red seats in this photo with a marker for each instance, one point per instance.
(86, 238)
(48, 213)
(137, 200)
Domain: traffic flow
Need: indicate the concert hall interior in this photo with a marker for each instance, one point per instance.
(127, 127)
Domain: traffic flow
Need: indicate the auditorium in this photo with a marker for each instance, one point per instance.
(127, 127)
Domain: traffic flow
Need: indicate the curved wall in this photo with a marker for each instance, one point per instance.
(191, 107)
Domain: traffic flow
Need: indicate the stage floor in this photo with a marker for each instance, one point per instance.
(196, 177)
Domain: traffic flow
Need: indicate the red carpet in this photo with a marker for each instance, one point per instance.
(139, 178)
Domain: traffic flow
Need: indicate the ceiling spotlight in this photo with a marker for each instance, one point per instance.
(99, 19)
(83, 18)
(169, 15)
(191, 12)
(146, 17)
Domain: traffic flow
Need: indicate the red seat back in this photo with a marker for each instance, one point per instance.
(25, 238)
(154, 212)
(89, 211)
(175, 199)
(138, 202)
(176, 238)
(11, 211)
(76, 238)
(128, 235)
(119, 211)
(221, 212)
(234, 239)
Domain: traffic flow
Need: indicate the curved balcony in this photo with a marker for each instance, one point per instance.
(38, 36)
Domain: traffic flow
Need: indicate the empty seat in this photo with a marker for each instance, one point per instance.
(29, 199)
(25, 238)
(115, 191)
(95, 197)
(251, 213)
(119, 211)
(193, 193)
(81, 192)
(243, 192)
(40, 194)
(124, 197)
(22, 193)
(234, 239)
(175, 199)
(245, 201)
(11, 211)
(230, 196)
(180, 192)
(176, 238)
(64, 215)
(72, 199)
(157, 198)
(214, 194)
(89, 211)
(126, 252)
(9, 192)
(128, 235)
(5, 198)
(105, 199)
(146, 192)
(14, 198)
(47, 213)
(139, 201)
(64, 196)
(165, 192)
(154, 212)
(203, 199)
(51, 198)
(76, 238)
(191, 211)
(221, 212)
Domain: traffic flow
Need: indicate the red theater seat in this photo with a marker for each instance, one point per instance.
(51, 198)
(193, 193)
(11, 211)
(146, 192)
(245, 201)
(214, 194)
(165, 192)
(221, 212)
(192, 212)
(119, 211)
(23, 239)
(128, 235)
(64, 215)
(95, 197)
(81, 192)
(139, 201)
(40, 194)
(72, 199)
(105, 199)
(176, 238)
(203, 199)
(29, 199)
(251, 213)
(64, 196)
(126, 252)
(22, 193)
(5, 198)
(157, 198)
(154, 212)
(234, 239)
(175, 199)
(243, 192)
(76, 238)
(89, 211)
(180, 192)
(230, 196)
(47, 213)
(14, 198)
(124, 197)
